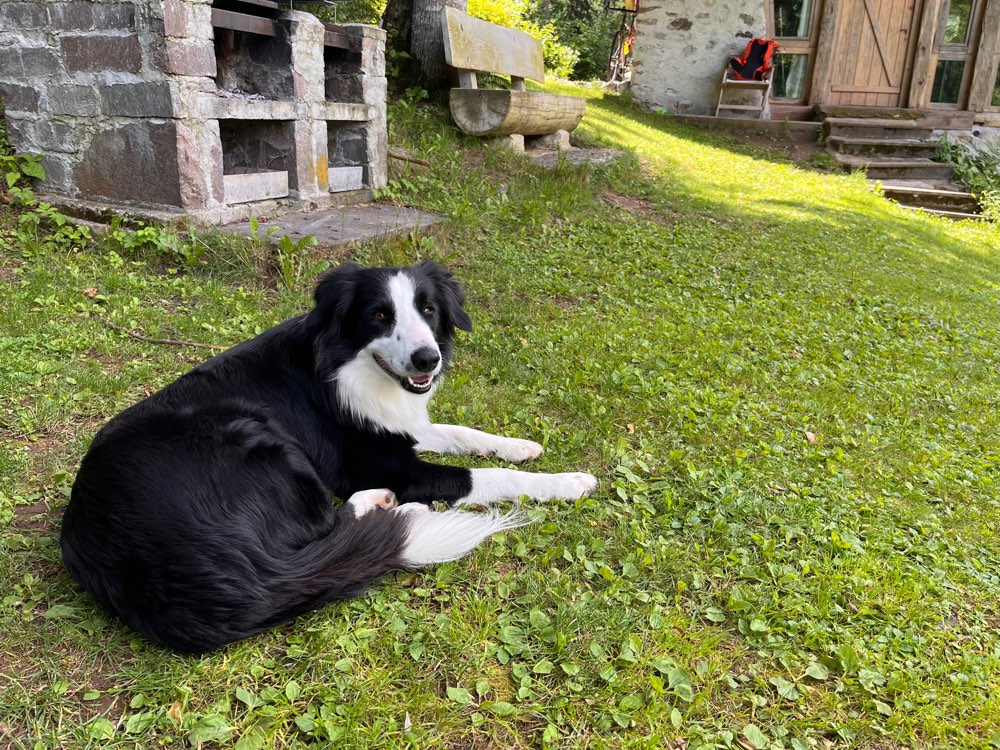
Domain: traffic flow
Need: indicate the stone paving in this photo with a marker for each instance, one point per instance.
(338, 226)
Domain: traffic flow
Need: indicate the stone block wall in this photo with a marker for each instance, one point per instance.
(682, 46)
(145, 103)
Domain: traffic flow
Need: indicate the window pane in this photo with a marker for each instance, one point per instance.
(947, 81)
(791, 18)
(996, 91)
(956, 27)
(789, 80)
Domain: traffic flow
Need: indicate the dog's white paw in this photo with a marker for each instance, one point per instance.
(516, 450)
(572, 485)
(368, 500)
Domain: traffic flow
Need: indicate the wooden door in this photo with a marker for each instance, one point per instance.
(872, 53)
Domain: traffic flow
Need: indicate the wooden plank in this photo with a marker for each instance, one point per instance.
(924, 59)
(985, 71)
(501, 112)
(887, 62)
(228, 19)
(472, 44)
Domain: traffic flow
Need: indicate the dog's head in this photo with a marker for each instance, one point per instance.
(401, 320)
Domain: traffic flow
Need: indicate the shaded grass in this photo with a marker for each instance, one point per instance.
(786, 385)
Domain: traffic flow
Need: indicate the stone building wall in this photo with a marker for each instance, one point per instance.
(144, 103)
(682, 46)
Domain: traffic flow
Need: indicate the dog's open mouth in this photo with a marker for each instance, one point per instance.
(416, 384)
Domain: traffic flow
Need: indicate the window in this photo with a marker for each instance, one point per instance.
(792, 18)
(793, 24)
(956, 25)
(789, 80)
(947, 87)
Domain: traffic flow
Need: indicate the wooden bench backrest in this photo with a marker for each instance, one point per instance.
(472, 44)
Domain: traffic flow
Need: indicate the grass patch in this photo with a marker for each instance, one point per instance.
(786, 385)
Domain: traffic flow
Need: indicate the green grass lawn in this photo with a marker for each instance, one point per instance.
(787, 386)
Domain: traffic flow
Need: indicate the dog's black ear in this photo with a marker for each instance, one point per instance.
(449, 293)
(333, 297)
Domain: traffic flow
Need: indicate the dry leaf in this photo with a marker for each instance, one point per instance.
(407, 724)
(175, 713)
(90, 292)
(811, 437)
(776, 490)
(631, 428)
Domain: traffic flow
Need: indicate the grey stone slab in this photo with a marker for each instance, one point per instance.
(337, 226)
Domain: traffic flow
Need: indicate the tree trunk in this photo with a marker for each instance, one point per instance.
(414, 27)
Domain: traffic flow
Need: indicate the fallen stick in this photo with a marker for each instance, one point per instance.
(148, 340)
(403, 156)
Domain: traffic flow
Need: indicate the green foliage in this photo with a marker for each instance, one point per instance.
(582, 26)
(978, 172)
(140, 238)
(560, 59)
(40, 226)
(350, 11)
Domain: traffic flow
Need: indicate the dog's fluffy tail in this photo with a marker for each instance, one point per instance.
(434, 537)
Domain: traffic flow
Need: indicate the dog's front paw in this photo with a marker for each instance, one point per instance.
(516, 450)
(573, 485)
(368, 500)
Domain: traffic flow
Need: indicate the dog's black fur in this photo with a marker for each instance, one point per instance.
(203, 514)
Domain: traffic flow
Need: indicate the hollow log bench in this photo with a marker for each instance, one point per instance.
(472, 45)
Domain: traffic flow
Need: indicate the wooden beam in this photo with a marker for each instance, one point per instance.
(227, 19)
(985, 71)
(335, 36)
(826, 53)
(924, 59)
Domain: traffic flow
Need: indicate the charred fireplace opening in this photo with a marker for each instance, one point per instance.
(257, 157)
(253, 65)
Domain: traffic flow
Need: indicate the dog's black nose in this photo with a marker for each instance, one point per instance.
(425, 359)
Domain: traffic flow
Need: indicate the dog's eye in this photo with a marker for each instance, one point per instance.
(379, 315)
(428, 310)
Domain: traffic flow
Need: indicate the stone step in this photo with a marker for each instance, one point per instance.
(884, 168)
(900, 147)
(873, 127)
(935, 199)
(956, 215)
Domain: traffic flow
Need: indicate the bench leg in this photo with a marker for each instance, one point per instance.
(513, 141)
(557, 141)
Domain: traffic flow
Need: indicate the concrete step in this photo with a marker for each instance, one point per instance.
(935, 199)
(873, 127)
(888, 168)
(895, 147)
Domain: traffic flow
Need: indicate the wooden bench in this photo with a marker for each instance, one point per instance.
(472, 45)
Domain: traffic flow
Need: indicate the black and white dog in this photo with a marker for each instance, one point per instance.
(203, 514)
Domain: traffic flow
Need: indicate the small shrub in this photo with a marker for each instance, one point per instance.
(979, 172)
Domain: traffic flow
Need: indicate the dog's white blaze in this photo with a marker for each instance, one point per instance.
(435, 537)
(410, 331)
(368, 392)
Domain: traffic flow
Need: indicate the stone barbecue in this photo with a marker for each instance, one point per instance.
(214, 110)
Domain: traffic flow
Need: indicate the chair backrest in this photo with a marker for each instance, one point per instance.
(755, 62)
(473, 44)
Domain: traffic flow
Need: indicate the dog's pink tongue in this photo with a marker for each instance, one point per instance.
(421, 379)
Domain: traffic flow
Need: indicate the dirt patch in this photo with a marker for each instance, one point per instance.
(635, 206)
(800, 152)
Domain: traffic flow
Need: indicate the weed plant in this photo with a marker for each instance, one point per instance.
(786, 385)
